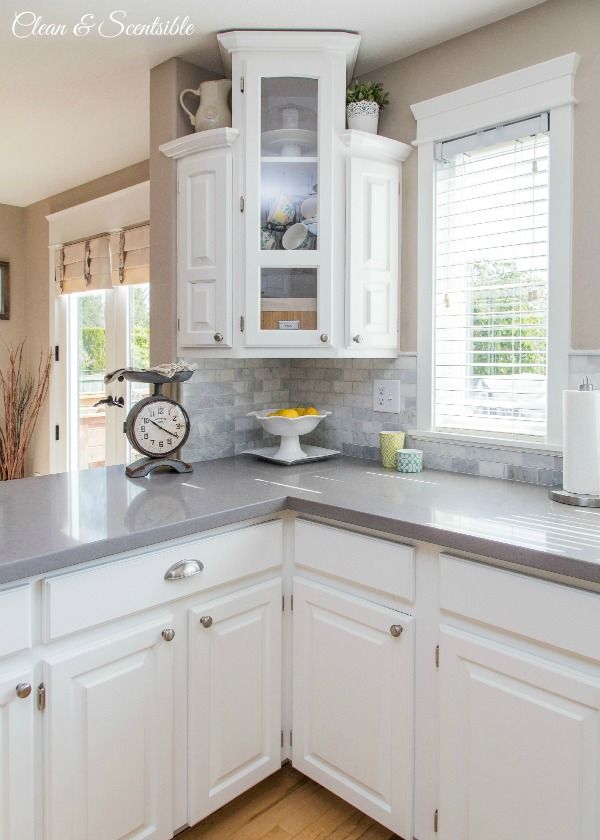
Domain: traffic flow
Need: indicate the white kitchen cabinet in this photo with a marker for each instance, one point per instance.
(519, 743)
(17, 797)
(108, 769)
(311, 275)
(234, 695)
(373, 171)
(204, 243)
(353, 716)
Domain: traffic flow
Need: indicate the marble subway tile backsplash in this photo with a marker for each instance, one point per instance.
(223, 391)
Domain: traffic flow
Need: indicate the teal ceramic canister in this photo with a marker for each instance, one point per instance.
(409, 460)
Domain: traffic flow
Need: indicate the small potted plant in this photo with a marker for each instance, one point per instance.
(364, 101)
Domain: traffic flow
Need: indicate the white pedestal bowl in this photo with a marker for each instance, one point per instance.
(289, 429)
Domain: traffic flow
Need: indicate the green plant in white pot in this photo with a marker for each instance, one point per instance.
(364, 101)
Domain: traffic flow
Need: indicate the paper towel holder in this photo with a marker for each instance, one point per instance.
(577, 499)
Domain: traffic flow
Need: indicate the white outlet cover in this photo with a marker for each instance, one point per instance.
(386, 395)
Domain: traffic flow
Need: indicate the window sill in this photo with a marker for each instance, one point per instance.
(514, 444)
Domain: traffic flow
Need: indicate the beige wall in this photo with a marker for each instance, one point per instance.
(167, 122)
(12, 250)
(37, 298)
(546, 31)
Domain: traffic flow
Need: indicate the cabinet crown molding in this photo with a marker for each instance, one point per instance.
(289, 41)
(201, 141)
(374, 145)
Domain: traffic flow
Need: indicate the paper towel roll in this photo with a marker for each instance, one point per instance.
(581, 442)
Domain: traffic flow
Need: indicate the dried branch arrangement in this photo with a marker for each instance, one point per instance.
(21, 396)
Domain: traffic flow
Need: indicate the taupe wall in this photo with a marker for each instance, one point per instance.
(37, 297)
(167, 122)
(12, 250)
(546, 31)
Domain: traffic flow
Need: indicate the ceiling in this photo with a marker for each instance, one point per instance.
(76, 108)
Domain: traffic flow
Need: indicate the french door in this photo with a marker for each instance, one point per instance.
(99, 331)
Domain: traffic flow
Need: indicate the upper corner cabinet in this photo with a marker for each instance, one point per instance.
(289, 108)
(300, 254)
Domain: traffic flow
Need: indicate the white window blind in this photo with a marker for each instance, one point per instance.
(491, 281)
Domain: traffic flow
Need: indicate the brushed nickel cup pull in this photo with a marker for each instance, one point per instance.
(218, 337)
(396, 630)
(357, 338)
(184, 569)
(168, 634)
(206, 621)
(23, 690)
(324, 338)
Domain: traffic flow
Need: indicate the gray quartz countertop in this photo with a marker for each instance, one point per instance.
(58, 521)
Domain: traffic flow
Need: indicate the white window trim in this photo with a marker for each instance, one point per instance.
(109, 212)
(548, 86)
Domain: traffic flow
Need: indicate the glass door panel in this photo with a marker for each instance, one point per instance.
(288, 299)
(90, 312)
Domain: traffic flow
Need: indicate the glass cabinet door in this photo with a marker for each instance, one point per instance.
(287, 238)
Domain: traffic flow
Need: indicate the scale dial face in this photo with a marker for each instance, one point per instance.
(157, 427)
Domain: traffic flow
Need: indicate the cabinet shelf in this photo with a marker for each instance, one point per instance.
(282, 159)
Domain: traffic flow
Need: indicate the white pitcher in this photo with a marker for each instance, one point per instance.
(213, 108)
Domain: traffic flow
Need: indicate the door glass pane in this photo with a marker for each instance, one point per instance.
(91, 367)
(288, 298)
(289, 205)
(139, 345)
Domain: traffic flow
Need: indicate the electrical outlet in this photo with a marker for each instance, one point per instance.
(386, 395)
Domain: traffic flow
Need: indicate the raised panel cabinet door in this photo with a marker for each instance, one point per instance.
(372, 264)
(16, 755)
(204, 287)
(353, 709)
(109, 738)
(234, 695)
(519, 744)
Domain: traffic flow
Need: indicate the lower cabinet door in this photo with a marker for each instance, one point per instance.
(519, 744)
(353, 695)
(109, 755)
(16, 755)
(234, 695)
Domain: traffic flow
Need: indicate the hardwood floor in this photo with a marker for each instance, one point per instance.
(287, 805)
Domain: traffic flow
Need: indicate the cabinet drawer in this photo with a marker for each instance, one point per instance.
(83, 599)
(15, 609)
(536, 609)
(373, 562)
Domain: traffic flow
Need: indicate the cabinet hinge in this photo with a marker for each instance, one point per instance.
(282, 739)
(242, 323)
(57, 432)
(292, 603)
(178, 185)
(283, 603)
(437, 656)
(178, 327)
(242, 83)
(436, 821)
(242, 203)
(291, 738)
(41, 697)
(56, 353)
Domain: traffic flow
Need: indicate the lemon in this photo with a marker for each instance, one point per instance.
(311, 410)
(301, 411)
(288, 412)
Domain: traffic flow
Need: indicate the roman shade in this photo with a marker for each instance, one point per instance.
(130, 256)
(83, 266)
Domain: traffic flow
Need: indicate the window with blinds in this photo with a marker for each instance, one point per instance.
(491, 281)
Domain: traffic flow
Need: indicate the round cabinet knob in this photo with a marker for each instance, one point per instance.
(218, 337)
(357, 338)
(168, 634)
(206, 621)
(324, 338)
(23, 690)
(396, 630)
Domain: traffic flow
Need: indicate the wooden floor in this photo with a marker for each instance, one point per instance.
(287, 805)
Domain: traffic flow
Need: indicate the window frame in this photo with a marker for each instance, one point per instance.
(548, 86)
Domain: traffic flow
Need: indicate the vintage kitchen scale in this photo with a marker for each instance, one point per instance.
(157, 426)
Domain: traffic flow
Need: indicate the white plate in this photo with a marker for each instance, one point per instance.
(274, 140)
(313, 453)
